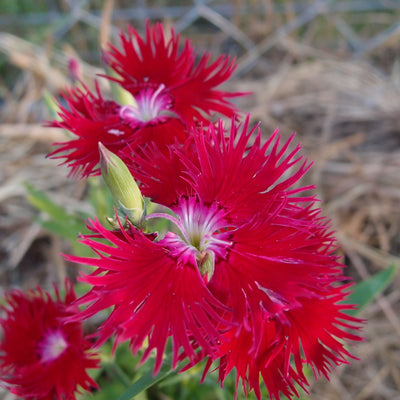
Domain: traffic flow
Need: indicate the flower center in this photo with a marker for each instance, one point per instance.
(150, 105)
(202, 234)
(52, 345)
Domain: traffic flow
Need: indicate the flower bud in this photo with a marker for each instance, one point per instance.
(123, 187)
(120, 95)
(51, 105)
(74, 69)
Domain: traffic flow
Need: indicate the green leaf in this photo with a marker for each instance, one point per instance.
(61, 222)
(143, 383)
(365, 291)
(43, 203)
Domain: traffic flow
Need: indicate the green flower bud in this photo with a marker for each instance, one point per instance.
(121, 96)
(123, 187)
(51, 105)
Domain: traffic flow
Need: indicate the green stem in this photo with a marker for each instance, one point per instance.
(115, 371)
(144, 383)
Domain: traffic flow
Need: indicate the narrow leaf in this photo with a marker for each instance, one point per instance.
(61, 222)
(143, 383)
(43, 203)
(365, 291)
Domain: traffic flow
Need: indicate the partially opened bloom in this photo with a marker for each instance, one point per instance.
(155, 68)
(41, 356)
(167, 91)
(245, 274)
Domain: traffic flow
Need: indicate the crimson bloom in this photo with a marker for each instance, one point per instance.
(245, 275)
(41, 357)
(167, 91)
(155, 65)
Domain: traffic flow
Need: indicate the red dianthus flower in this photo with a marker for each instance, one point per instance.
(245, 275)
(41, 356)
(157, 65)
(170, 92)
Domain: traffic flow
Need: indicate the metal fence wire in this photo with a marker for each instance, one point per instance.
(329, 69)
(252, 28)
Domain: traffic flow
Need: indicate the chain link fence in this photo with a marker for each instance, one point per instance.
(328, 69)
(250, 29)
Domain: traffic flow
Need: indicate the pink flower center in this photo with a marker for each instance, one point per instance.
(52, 345)
(150, 105)
(202, 234)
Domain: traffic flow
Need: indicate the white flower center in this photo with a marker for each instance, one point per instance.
(202, 234)
(52, 345)
(150, 105)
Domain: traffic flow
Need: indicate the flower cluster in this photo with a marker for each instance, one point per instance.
(163, 90)
(214, 245)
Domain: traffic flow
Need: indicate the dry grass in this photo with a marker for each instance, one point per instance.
(347, 117)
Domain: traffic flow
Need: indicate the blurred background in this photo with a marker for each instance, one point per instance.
(326, 69)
